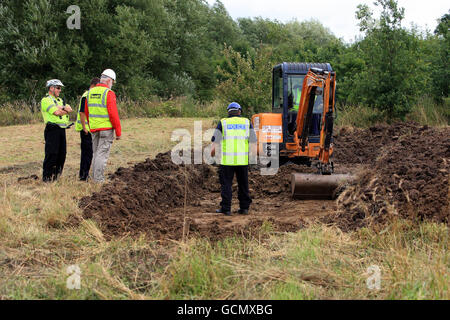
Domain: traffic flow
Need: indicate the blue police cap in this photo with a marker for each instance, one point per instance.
(234, 106)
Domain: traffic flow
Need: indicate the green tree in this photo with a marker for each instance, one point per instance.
(348, 64)
(391, 79)
(247, 80)
(441, 72)
(27, 47)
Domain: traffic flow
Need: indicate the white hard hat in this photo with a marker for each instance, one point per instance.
(54, 82)
(109, 73)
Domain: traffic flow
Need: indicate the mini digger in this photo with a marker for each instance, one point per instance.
(300, 127)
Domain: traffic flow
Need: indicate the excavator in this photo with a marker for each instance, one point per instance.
(300, 127)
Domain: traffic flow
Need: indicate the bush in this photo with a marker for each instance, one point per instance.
(246, 80)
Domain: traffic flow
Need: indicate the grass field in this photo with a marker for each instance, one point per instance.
(319, 262)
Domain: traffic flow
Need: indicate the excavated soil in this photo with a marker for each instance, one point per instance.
(409, 177)
(149, 198)
(402, 169)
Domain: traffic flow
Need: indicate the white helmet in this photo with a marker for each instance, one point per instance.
(109, 73)
(54, 82)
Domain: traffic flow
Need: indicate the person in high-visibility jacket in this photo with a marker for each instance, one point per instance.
(82, 127)
(103, 119)
(237, 140)
(297, 96)
(294, 103)
(56, 118)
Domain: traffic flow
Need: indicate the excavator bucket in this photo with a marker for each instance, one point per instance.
(316, 186)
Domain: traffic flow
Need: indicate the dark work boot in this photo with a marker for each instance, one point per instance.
(221, 210)
(243, 211)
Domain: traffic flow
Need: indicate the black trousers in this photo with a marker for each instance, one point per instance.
(86, 155)
(226, 175)
(55, 152)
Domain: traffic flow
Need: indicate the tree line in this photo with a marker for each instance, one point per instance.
(171, 48)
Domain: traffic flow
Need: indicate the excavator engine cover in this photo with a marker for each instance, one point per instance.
(269, 132)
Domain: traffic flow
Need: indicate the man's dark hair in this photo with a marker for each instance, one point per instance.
(95, 81)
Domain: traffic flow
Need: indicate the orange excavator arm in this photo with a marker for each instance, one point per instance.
(317, 81)
(326, 133)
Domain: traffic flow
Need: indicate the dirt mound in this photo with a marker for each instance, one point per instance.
(149, 198)
(409, 178)
(138, 198)
(363, 146)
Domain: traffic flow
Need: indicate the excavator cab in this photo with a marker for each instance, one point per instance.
(287, 83)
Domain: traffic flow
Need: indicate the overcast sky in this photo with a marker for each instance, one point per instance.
(337, 15)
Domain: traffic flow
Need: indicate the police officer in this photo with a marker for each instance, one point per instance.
(56, 118)
(82, 126)
(234, 134)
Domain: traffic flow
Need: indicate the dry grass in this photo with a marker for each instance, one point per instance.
(37, 245)
(425, 112)
(316, 263)
(428, 112)
(18, 113)
(357, 116)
